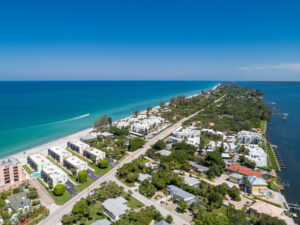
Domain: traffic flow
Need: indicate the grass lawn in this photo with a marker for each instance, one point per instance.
(82, 186)
(27, 169)
(133, 203)
(272, 158)
(263, 124)
(126, 183)
(98, 171)
(59, 200)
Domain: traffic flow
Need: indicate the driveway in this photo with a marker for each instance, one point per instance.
(70, 188)
(92, 175)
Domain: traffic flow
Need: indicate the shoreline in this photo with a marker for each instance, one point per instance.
(43, 148)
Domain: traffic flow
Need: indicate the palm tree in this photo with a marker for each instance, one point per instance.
(149, 110)
(136, 113)
(109, 119)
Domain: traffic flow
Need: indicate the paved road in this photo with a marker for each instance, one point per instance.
(147, 202)
(56, 215)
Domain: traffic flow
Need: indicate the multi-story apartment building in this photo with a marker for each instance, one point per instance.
(38, 162)
(59, 153)
(77, 146)
(75, 163)
(94, 153)
(54, 175)
(11, 173)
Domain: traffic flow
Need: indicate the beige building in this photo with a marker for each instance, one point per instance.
(11, 173)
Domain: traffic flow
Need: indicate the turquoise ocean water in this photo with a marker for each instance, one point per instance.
(33, 113)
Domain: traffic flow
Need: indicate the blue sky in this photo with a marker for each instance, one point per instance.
(146, 40)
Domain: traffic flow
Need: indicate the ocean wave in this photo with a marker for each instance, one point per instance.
(45, 124)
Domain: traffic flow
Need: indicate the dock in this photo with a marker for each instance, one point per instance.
(279, 159)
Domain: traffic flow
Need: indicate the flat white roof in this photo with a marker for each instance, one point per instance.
(53, 170)
(59, 150)
(75, 161)
(39, 158)
(79, 144)
(95, 151)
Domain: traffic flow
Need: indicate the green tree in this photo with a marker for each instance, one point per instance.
(82, 176)
(147, 189)
(109, 120)
(81, 208)
(103, 164)
(132, 177)
(136, 112)
(169, 219)
(59, 189)
(212, 218)
(32, 193)
(234, 193)
(159, 145)
(67, 219)
(182, 206)
(73, 171)
(215, 200)
(135, 143)
(149, 110)
(101, 123)
(268, 220)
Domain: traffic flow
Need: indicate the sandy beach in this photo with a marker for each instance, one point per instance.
(22, 156)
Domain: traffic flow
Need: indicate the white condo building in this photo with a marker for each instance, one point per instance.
(188, 132)
(38, 161)
(257, 155)
(77, 146)
(145, 125)
(54, 175)
(93, 152)
(59, 153)
(248, 137)
(75, 163)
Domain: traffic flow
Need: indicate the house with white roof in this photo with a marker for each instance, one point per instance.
(191, 181)
(115, 207)
(248, 137)
(189, 132)
(77, 146)
(38, 162)
(143, 176)
(94, 153)
(164, 152)
(54, 175)
(58, 153)
(75, 163)
(106, 134)
(257, 154)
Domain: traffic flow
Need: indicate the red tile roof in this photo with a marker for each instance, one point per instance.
(244, 170)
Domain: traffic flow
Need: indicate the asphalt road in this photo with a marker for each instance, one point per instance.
(56, 215)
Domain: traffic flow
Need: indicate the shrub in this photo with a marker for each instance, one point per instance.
(103, 164)
(82, 176)
(59, 189)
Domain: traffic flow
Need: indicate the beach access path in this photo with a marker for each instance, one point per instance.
(55, 216)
